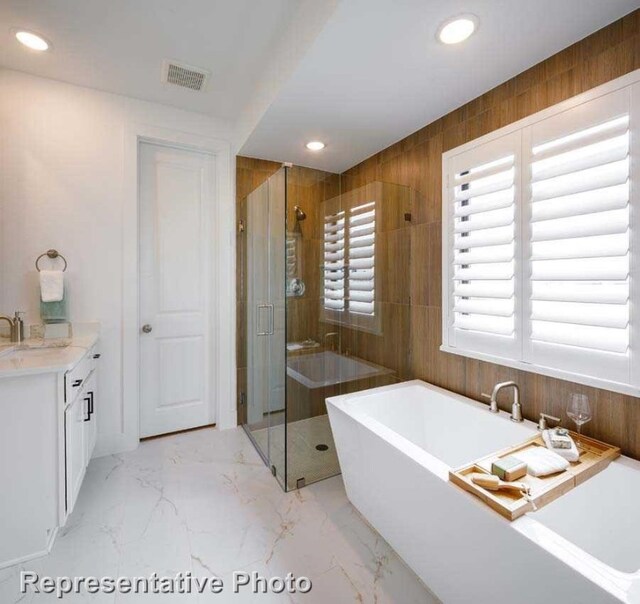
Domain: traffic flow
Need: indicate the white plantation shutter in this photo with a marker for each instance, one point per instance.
(334, 262)
(349, 267)
(482, 186)
(541, 242)
(579, 234)
(362, 234)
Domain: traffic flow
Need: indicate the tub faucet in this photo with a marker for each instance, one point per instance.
(16, 326)
(334, 347)
(516, 408)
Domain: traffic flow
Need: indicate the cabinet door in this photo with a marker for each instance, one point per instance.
(90, 426)
(75, 417)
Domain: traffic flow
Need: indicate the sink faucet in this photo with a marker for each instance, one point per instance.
(516, 408)
(334, 347)
(16, 325)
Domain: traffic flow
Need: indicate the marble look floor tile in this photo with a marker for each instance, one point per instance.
(332, 586)
(10, 583)
(204, 502)
(245, 593)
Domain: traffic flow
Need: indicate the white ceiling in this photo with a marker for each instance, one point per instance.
(376, 72)
(357, 74)
(119, 45)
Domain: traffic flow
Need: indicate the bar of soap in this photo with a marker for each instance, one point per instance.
(559, 440)
(508, 468)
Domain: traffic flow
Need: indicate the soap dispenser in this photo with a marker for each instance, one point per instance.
(18, 322)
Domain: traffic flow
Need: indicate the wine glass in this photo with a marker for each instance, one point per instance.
(579, 410)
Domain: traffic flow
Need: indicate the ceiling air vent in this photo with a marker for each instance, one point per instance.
(187, 76)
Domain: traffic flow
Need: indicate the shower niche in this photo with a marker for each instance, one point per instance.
(317, 314)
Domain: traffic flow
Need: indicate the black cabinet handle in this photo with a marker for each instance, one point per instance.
(91, 410)
(96, 356)
(86, 419)
(77, 383)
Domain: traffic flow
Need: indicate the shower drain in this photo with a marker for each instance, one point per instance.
(322, 447)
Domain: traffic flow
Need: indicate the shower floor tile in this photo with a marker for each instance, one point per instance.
(304, 460)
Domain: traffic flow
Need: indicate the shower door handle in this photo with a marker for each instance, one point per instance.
(269, 331)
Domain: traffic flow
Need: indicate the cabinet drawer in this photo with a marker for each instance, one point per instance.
(94, 357)
(76, 377)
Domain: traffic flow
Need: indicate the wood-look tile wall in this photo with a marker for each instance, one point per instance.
(416, 162)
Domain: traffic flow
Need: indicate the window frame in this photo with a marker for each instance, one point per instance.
(519, 361)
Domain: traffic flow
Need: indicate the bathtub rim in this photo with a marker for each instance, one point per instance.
(618, 583)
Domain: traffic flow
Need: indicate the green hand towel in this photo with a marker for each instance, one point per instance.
(54, 312)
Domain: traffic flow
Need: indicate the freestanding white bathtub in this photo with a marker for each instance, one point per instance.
(396, 445)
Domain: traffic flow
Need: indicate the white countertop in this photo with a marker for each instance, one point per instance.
(16, 361)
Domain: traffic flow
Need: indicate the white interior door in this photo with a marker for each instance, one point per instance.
(176, 192)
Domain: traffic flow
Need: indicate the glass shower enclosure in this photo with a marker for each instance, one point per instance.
(323, 307)
(279, 263)
(264, 273)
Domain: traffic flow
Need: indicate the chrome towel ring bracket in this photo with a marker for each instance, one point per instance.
(53, 254)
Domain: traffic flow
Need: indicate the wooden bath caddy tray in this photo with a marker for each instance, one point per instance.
(594, 457)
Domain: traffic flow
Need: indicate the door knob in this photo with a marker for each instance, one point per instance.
(147, 328)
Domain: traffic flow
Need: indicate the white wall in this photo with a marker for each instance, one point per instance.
(62, 167)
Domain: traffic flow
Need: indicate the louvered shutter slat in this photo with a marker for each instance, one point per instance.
(604, 131)
(484, 203)
(598, 177)
(584, 247)
(502, 326)
(601, 339)
(587, 202)
(562, 291)
(487, 237)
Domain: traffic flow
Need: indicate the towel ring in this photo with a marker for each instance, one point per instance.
(53, 254)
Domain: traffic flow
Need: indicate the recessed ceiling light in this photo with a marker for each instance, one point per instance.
(32, 41)
(458, 29)
(315, 145)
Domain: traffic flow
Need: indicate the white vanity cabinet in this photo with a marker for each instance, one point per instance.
(80, 424)
(48, 428)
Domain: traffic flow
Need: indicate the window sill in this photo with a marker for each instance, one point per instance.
(547, 371)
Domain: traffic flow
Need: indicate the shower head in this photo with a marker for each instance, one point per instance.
(300, 214)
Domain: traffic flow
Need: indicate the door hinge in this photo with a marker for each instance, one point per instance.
(243, 398)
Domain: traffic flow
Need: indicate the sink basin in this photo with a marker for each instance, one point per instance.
(49, 346)
(29, 353)
(33, 351)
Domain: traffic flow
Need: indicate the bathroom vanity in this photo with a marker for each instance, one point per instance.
(48, 428)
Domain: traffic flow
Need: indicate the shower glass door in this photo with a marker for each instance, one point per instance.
(265, 314)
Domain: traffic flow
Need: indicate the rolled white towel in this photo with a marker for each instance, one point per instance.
(51, 286)
(571, 454)
(541, 461)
